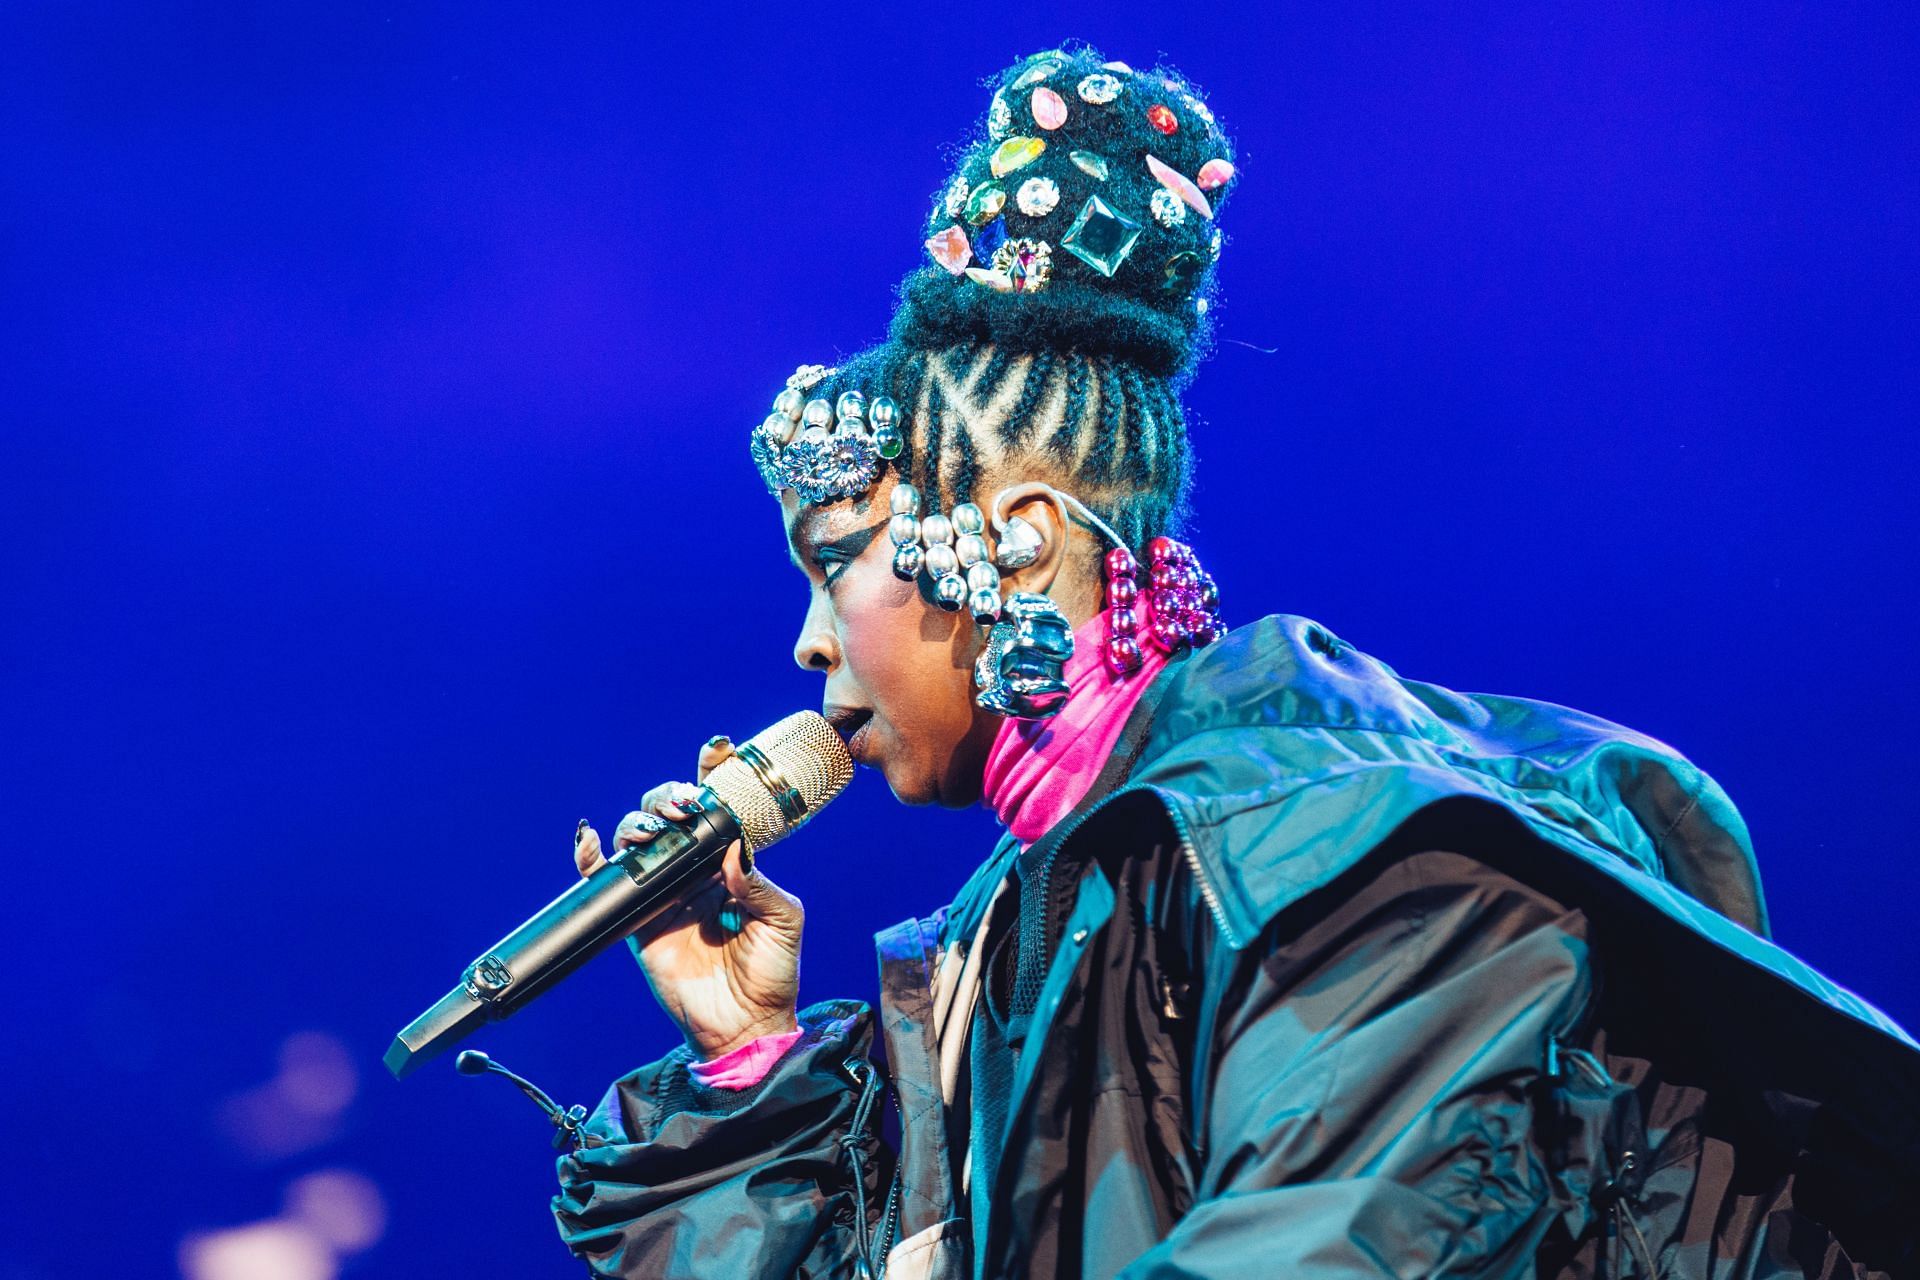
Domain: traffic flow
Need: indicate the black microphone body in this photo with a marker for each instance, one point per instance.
(633, 888)
(767, 788)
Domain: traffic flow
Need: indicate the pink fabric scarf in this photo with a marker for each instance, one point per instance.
(1038, 770)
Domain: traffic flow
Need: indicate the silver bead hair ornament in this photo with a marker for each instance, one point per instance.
(822, 450)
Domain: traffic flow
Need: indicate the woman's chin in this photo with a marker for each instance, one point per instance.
(911, 785)
(951, 781)
(915, 791)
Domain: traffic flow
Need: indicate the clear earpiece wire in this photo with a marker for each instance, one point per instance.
(1066, 499)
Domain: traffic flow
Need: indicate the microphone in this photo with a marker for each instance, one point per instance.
(772, 784)
(566, 1120)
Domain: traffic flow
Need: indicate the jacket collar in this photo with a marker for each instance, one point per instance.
(1283, 754)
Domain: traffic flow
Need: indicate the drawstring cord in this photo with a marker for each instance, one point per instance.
(868, 1079)
(1619, 1215)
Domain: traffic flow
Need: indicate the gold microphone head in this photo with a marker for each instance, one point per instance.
(777, 779)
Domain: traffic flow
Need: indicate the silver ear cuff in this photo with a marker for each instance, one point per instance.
(1022, 672)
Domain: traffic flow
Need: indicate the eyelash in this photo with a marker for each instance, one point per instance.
(831, 568)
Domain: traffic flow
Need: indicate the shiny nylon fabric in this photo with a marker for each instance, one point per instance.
(695, 1195)
(1284, 756)
(1354, 1120)
(1181, 1109)
(1323, 751)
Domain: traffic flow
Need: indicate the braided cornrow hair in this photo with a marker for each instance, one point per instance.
(1068, 298)
(1105, 430)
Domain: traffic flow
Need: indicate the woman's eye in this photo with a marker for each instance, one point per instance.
(831, 567)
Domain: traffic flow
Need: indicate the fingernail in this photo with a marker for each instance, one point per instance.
(718, 741)
(580, 833)
(746, 861)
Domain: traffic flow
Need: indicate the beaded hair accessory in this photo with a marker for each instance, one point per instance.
(1093, 178)
(1181, 605)
(824, 450)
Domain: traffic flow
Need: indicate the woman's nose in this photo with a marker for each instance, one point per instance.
(816, 649)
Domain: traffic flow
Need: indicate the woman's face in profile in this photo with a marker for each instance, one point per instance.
(899, 669)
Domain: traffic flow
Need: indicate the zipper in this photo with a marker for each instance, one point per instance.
(1136, 745)
(1048, 889)
(1187, 850)
(889, 1221)
(1192, 855)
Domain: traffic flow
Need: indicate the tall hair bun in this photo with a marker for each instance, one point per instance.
(1082, 218)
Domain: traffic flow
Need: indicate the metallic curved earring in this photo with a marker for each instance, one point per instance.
(1020, 673)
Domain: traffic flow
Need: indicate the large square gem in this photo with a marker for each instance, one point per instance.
(1100, 237)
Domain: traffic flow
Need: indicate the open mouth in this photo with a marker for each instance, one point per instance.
(850, 723)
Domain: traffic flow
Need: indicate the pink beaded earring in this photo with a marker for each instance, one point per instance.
(1182, 603)
(1123, 590)
(1180, 606)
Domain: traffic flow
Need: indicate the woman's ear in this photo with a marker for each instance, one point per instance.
(1038, 505)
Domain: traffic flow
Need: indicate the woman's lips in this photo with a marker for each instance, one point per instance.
(851, 724)
(857, 744)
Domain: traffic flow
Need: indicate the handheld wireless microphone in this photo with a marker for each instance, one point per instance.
(772, 784)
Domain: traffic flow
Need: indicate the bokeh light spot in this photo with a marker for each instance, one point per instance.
(274, 1250)
(341, 1207)
(317, 1073)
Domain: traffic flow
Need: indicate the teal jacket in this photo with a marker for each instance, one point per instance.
(1337, 974)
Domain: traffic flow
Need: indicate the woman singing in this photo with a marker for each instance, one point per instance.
(1285, 965)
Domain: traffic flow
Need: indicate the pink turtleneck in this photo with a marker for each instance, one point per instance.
(1038, 770)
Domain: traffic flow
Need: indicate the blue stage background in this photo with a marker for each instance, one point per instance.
(376, 502)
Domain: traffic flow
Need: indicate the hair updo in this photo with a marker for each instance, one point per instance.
(1065, 302)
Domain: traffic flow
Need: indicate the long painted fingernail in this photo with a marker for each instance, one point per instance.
(580, 833)
(719, 742)
(746, 861)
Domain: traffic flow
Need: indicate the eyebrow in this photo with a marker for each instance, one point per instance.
(800, 532)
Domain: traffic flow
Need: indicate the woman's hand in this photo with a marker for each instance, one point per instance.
(725, 963)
